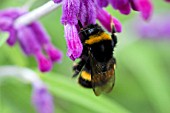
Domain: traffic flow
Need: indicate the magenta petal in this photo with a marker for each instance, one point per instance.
(74, 44)
(12, 37)
(5, 23)
(54, 53)
(91, 12)
(44, 64)
(125, 9)
(117, 24)
(106, 20)
(145, 7)
(102, 3)
(122, 5)
(118, 3)
(70, 11)
(133, 5)
(82, 15)
(27, 40)
(41, 34)
(57, 1)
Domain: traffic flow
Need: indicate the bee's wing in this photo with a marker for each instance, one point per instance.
(102, 81)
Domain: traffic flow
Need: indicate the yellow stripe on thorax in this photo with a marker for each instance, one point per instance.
(85, 75)
(97, 38)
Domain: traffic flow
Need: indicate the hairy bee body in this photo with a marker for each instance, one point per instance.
(97, 64)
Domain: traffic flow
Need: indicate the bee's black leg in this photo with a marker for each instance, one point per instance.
(82, 32)
(80, 24)
(114, 38)
(78, 67)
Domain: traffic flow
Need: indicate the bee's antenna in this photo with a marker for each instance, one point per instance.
(82, 31)
(113, 29)
(112, 25)
(80, 24)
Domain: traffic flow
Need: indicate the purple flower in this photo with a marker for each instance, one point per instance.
(167, 0)
(7, 18)
(70, 10)
(87, 11)
(124, 6)
(32, 38)
(69, 19)
(106, 20)
(102, 3)
(57, 1)
(43, 38)
(73, 42)
(42, 100)
(154, 29)
(144, 6)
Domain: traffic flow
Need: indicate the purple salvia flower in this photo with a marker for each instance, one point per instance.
(44, 40)
(102, 3)
(54, 53)
(5, 23)
(82, 15)
(154, 29)
(91, 12)
(41, 34)
(73, 42)
(145, 7)
(42, 100)
(31, 46)
(70, 11)
(106, 20)
(32, 38)
(44, 64)
(57, 1)
(69, 19)
(12, 37)
(122, 5)
(7, 18)
(133, 5)
(28, 38)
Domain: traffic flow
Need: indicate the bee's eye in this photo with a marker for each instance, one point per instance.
(103, 68)
(90, 31)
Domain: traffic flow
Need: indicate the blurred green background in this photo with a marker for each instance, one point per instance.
(142, 74)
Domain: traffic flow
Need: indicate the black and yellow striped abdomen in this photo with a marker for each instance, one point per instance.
(85, 79)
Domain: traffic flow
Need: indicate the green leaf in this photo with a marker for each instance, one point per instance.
(142, 59)
(15, 97)
(65, 88)
(3, 37)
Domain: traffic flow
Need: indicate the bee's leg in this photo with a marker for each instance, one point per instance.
(82, 32)
(80, 24)
(114, 38)
(78, 67)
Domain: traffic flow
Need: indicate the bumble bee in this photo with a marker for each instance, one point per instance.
(97, 64)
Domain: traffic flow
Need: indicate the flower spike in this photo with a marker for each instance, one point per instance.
(73, 42)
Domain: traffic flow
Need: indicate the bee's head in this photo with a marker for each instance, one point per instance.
(91, 29)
